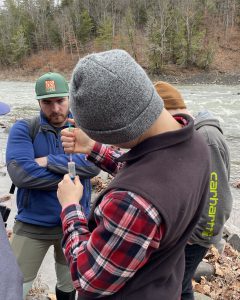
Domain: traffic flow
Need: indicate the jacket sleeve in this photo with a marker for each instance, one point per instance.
(84, 168)
(22, 168)
(217, 209)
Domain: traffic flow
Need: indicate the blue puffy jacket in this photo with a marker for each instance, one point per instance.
(37, 201)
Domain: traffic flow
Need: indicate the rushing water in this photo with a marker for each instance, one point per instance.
(223, 101)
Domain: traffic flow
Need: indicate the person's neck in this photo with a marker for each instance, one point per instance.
(164, 123)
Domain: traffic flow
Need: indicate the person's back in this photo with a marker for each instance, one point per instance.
(36, 165)
(217, 209)
(171, 193)
(10, 276)
(133, 245)
(210, 227)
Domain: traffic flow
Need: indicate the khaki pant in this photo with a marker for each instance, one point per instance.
(30, 254)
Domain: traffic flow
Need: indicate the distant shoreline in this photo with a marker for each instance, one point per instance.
(184, 77)
(202, 78)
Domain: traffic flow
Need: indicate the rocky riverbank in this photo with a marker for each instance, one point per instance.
(201, 78)
(172, 74)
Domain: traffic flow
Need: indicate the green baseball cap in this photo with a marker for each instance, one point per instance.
(51, 85)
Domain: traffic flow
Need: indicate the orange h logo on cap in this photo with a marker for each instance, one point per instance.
(50, 86)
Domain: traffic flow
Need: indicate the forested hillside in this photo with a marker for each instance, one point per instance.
(159, 34)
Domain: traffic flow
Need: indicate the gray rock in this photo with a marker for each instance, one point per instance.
(232, 235)
(199, 296)
(5, 197)
(234, 241)
(230, 229)
(203, 269)
(220, 246)
(103, 175)
(38, 297)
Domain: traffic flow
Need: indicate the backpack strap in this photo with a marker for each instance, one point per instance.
(33, 127)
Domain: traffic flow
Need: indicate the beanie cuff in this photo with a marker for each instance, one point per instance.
(133, 130)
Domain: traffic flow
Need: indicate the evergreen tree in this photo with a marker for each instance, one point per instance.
(86, 27)
(104, 34)
(18, 46)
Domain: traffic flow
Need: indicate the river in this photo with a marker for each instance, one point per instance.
(222, 101)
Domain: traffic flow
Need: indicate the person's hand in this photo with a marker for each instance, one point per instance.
(42, 161)
(74, 140)
(69, 192)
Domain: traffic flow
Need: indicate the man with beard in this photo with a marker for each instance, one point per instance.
(36, 164)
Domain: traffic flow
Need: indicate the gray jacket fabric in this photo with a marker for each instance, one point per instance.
(218, 207)
(11, 286)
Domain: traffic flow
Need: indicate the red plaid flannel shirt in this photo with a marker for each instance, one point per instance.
(128, 230)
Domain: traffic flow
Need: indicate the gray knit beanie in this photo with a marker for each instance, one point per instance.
(112, 99)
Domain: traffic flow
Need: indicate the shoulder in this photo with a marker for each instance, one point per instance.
(212, 135)
(27, 123)
(24, 127)
(128, 203)
(19, 125)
